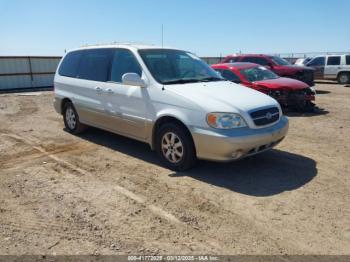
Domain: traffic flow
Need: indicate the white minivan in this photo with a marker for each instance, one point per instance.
(168, 98)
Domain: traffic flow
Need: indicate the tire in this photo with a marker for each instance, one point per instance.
(71, 119)
(174, 146)
(343, 78)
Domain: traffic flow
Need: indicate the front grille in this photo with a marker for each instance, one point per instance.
(265, 116)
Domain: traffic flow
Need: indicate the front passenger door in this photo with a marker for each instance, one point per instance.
(318, 64)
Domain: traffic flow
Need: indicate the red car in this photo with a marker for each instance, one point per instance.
(288, 92)
(276, 64)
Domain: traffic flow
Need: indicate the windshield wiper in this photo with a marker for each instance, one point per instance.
(211, 78)
(180, 81)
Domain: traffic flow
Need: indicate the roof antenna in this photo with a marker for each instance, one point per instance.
(162, 46)
(162, 35)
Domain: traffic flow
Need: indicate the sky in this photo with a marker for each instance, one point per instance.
(205, 27)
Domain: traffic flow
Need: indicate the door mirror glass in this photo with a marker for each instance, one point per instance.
(133, 79)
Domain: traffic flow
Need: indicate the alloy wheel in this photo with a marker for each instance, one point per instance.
(70, 118)
(172, 147)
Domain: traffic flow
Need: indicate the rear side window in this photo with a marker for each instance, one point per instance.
(347, 58)
(124, 62)
(94, 64)
(255, 60)
(333, 60)
(70, 64)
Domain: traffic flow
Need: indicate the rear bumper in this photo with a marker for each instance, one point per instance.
(229, 145)
(57, 102)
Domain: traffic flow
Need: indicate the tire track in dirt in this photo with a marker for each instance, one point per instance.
(138, 198)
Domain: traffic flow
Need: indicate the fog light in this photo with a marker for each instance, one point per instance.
(237, 154)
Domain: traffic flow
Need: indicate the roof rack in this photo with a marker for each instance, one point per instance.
(117, 43)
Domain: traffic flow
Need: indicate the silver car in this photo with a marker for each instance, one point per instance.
(332, 67)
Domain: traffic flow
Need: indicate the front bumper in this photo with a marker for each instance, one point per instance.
(229, 145)
(294, 98)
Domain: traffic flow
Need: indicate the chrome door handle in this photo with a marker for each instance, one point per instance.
(98, 89)
(109, 90)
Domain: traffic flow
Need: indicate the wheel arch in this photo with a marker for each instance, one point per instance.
(164, 120)
(347, 72)
(343, 71)
(63, 102)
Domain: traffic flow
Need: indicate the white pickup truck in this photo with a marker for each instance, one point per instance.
(332, 67)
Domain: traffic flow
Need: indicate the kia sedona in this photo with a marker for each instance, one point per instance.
(167, 98)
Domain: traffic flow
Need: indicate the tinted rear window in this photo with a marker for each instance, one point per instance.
(70, 63)
(348, 59)
(333, 60)
(94, 64)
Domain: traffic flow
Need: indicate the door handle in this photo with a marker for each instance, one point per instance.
(98, 89)
(109, 90)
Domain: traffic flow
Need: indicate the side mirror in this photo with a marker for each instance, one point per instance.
(133, 79)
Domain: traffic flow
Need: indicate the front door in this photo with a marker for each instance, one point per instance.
(318, 64)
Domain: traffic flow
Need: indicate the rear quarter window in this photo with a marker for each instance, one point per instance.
(347, 58)
(70, 64)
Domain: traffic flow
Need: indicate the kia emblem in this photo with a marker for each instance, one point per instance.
(268, 116)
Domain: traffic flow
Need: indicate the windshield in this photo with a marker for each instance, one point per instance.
(279, 61)
(258, 73)
(170, 66)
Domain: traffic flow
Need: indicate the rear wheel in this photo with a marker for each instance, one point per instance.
(175, 147)
(344, 78)
(71, 119)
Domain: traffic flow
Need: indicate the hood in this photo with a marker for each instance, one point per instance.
(282, 83)
(223, 96)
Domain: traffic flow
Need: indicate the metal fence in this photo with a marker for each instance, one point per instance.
(26, 72)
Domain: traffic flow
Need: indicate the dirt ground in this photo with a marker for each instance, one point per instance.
(100, 193)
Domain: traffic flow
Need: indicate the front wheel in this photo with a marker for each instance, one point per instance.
(344, 78)
(175, 147)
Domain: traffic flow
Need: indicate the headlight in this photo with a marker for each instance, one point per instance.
(225, 120)
(313, 90)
